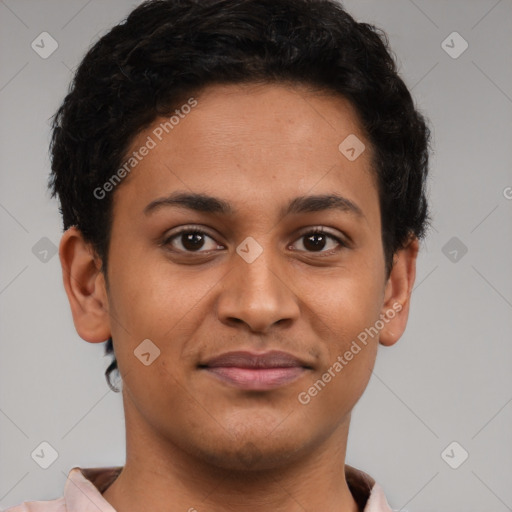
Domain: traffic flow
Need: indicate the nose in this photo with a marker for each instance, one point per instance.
(257, 295)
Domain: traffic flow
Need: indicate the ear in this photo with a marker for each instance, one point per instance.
(397, 294)
(85, 287)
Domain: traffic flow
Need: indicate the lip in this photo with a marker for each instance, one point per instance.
(256, 371)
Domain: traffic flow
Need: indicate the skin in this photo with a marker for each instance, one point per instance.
(194, 442)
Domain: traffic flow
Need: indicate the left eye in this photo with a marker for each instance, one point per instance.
(316, 241)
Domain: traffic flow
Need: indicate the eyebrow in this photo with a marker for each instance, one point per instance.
(209, 204)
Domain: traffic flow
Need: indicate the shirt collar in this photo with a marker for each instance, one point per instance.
(368, 494)
(84, 487)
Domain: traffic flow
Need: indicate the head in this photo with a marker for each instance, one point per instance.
(264, 93)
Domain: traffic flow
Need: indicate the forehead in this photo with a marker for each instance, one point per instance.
(265, 116)
(250, 143)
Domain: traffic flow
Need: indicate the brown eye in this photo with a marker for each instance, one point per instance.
(191, 240)
(318, 240)
(315, 241)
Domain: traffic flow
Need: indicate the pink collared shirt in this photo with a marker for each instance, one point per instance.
(84, 487)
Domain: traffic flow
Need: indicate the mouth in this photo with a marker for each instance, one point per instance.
(258, 372)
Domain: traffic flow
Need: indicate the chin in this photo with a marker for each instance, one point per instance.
(256, 453)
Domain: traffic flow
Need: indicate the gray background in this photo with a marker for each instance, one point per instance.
(448, 379)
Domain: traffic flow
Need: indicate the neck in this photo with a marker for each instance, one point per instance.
(161, 475)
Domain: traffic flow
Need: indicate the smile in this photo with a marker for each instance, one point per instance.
(258, 372)
(260, 379)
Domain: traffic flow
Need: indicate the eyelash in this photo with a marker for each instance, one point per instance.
(196, 231)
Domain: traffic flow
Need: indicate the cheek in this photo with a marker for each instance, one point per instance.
(153, 298)
(345, 302)
(333, 391)
(153, 301)
(350, 350)
(344, 315)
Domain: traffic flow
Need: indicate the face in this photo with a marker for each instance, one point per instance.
(215, 283)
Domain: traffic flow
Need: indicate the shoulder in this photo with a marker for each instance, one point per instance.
(57, 505)
(83, 486)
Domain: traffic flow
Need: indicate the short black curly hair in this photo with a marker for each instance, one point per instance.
(167, 50)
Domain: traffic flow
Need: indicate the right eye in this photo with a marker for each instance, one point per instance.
(190, 240)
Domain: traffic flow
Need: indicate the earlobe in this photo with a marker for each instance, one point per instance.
(85, 287)
(397, 295)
